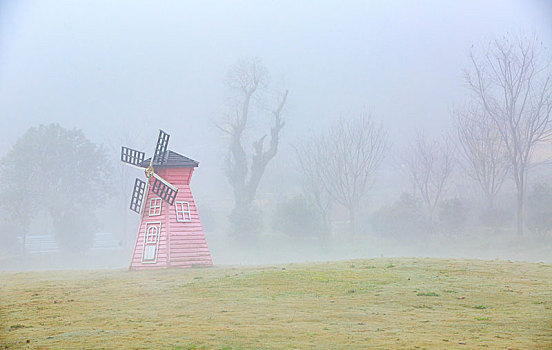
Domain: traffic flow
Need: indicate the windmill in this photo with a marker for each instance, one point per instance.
(161, 187)
(170, 233)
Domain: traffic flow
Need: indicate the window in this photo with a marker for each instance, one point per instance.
(155, 207)
(183, 211)
(151, 234)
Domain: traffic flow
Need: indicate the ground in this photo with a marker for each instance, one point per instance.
(374, 304)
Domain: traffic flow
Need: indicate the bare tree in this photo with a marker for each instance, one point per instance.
(482, 149)
(429, 166)
(344, 161)
(248, 78)
(312, 164)
(513, 86)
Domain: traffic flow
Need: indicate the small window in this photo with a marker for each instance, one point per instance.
(183, 212)
(155, 207)
(152, 232)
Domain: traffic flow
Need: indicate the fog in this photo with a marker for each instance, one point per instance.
(120, 71)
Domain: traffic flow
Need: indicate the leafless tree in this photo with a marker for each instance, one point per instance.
(513, 85)
(249, 78)
(312, 163)
(429, 165)
(344, 161)
(482, 149)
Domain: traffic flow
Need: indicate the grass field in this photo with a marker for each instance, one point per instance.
(380, 304)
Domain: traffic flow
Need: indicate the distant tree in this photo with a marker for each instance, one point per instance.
(429, 164)
(483, 150)
(62, 172)
(512, 83)
(343, 161)
(248, 79)
(18, 193)
(12, 234)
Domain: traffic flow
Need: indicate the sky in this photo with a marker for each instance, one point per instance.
(121, 70)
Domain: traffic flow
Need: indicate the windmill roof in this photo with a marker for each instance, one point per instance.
(171, 160)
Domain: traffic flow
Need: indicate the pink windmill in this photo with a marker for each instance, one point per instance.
(170, 232)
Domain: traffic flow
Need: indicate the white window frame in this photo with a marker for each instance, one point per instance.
(150, 243)
(155, 203)
(183, 209)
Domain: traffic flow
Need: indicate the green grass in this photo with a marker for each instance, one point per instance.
(418, 303)
(427, 294)
(16, 326)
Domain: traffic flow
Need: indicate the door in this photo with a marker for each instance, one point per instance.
(151, 242)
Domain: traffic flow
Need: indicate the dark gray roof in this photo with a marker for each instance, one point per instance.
(171, 160)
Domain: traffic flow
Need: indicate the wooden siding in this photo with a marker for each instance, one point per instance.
(181, 244)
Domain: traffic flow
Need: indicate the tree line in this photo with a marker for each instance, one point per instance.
(506, 116)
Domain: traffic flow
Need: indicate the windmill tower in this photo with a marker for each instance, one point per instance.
(170, 233)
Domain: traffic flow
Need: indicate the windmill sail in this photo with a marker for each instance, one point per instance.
(161, 187)
(159, 157)
(137, 196)
(167, 193)
(132, 156)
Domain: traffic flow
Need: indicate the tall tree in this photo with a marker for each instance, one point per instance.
(482, 149)
(429, 164)
(248, 79)
(512, 83)
(61, 172)
(345, 160)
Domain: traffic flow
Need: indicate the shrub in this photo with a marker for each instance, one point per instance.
(246, 222)
(453, 214)
(494, 217)
(539, 208)
(402, 219)
(296, 217)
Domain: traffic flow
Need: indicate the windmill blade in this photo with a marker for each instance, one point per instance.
(137, 196)
(159, 156)
(164, 189)
(132, 156)
(165, 182)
